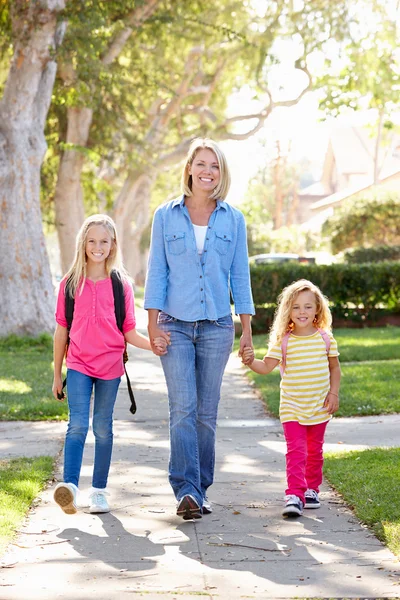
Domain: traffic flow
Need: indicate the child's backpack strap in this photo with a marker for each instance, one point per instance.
(284, 346)
(119, 299)
(326, 339)
(69, 305)
(119, 307)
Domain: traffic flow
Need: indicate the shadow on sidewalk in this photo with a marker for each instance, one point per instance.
(117, 547)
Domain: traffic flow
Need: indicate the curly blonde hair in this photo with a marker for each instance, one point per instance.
(282, 320)
(77, 272)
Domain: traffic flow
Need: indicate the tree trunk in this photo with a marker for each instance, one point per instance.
(132, 216)
(26, 290)
(378, 145)
(68, 198)
(277, 179)
(292, 218)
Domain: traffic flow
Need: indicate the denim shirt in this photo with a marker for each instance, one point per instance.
(190, 286)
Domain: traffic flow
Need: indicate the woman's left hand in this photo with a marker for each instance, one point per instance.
(246, 341)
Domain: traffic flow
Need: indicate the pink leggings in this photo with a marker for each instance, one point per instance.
(304, 458)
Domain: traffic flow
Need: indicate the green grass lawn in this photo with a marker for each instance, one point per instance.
(21, 480)
(26, 377)
(369, 482)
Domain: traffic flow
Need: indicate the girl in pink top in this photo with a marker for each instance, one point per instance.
(95, 356)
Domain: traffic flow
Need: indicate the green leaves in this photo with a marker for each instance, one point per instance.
(363, 221)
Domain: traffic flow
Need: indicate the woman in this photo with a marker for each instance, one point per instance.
(198, 255)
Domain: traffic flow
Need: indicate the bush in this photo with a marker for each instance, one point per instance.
(356, 292)
(363, 221)
(375, 254)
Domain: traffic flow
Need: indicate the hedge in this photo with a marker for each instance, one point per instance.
(356, 292)
(375, 254)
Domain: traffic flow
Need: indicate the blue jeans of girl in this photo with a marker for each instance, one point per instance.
(79, 388)
(193, 370)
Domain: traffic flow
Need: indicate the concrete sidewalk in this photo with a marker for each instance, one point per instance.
(244, 549)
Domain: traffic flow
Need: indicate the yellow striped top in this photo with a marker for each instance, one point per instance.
(305, 382)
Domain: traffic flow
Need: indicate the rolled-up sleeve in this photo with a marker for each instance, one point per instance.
(240, 273)
(157, 268)
(60, 308)
(130, 320)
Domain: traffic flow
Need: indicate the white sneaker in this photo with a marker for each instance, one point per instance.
(207, 508)
(65, 495)
(98, 502)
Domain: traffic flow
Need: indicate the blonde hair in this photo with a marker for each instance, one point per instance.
(222, 189)
(282, 321)
(77, 271)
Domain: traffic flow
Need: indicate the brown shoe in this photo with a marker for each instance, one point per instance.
(188, 508)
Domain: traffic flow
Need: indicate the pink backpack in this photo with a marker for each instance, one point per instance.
(284, 346)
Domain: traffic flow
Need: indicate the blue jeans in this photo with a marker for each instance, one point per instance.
(79, 388)
(193, 370)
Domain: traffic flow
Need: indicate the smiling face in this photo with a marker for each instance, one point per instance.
(205, 171)
(98, 244)
(304, 309)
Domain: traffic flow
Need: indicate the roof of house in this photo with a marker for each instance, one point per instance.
(351, 191)
(315, 189)
(353, 150)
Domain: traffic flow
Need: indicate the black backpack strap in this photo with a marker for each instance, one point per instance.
(69, 305)
(119, 307)
(119, 299)
(69, 315)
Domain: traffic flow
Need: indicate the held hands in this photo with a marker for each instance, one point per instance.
(160, 344)
(331, 402)
(159, 340)
(247, 355)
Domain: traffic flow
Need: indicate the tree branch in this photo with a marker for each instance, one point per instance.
(134, 20)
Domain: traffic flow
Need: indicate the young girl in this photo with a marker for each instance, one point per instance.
(302, 342)
(94, 358)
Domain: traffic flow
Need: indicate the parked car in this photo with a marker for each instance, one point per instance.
(280, 258)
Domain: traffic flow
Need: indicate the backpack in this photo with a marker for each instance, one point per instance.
(284, 346)
(119, 307)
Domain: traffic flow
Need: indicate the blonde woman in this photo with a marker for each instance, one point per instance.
(302, 343)
(198, 255)
(94, 358)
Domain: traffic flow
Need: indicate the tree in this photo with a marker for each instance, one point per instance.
(26, 291)
(190, 57)
(117, 22)
(364, 222)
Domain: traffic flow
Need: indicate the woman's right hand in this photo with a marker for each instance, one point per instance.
(154, 333)
(58, 388)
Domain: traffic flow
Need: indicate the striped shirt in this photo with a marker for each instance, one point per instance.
(306, 380)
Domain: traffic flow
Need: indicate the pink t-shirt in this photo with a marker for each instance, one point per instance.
(96, 345)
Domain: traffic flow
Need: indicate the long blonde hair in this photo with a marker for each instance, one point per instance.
(222, 189)
(77, 272)
(282, 320)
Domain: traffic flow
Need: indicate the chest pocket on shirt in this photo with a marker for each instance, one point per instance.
(176, 242)
(223, 242)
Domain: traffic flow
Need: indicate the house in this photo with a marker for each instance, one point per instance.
(347, 170)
